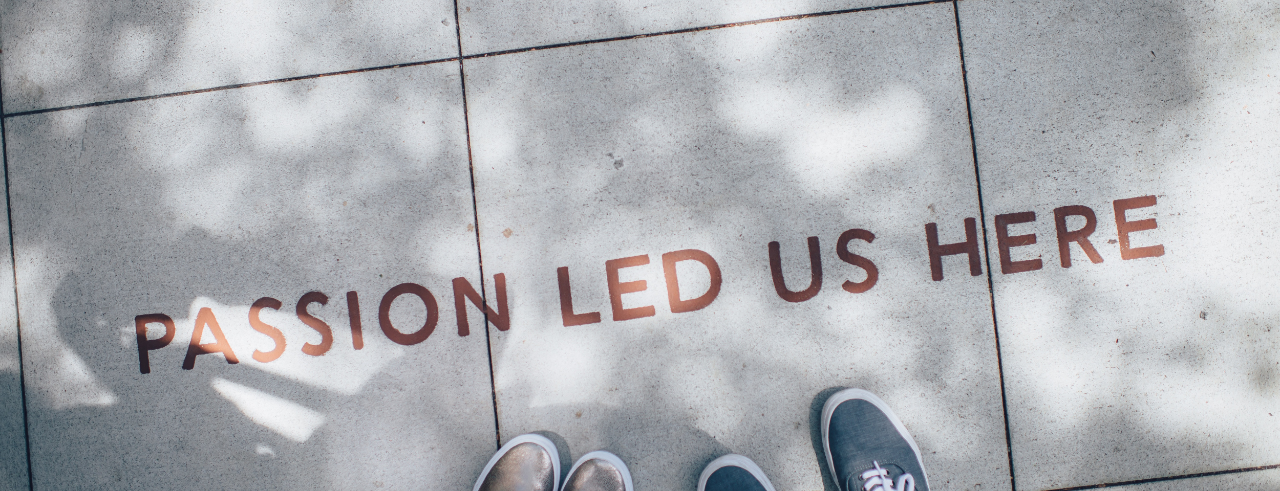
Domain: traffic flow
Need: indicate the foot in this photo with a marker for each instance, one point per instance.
(598, 471)
(733, 473)
(867, 447)
(526, 463)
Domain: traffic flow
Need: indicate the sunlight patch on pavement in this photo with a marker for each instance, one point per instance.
(289, 419)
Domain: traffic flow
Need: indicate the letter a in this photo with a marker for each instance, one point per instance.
(220, 344)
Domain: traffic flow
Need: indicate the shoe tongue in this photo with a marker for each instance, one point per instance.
(895, 470)
(856, 468)
(855, 481)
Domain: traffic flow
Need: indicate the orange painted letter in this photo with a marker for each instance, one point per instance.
(145, 345)
(220, 345)
(269, 330)
(669, 261)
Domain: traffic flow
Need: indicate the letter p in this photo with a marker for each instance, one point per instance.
(145, 345)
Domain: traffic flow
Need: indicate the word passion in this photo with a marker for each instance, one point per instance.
(463, 291)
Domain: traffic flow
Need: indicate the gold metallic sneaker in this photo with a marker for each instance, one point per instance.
(528, 462)
(598, 471)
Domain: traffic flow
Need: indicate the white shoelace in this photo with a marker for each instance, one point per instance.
(877, 479)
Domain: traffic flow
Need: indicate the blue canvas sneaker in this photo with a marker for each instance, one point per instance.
(526, 463)
(733, 473)
(867, 447)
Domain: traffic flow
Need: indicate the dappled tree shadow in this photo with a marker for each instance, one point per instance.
(1108, 366)
(67, 52)
(724, 141)
(334, 185)
(721, 140)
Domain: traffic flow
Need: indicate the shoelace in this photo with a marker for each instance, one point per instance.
(877, 479)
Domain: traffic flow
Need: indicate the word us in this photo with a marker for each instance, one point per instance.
(463, 291)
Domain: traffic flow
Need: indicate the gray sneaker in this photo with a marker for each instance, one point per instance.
(526, 463)
(867, 447)
(598, 471)
(733, 473)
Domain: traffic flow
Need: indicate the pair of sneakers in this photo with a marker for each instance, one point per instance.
(866, 446)
(531, 462)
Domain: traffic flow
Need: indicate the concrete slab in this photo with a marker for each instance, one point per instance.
(198, 208)
(1167, 361)
(491, 25)
(13, 447)
(1267, 479)
(75, 52)
(722, 142)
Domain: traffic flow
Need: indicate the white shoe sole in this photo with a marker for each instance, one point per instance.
(734, 460)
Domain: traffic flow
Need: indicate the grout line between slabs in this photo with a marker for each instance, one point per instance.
(995, 324)
(17, 316)
(705, 28)
(229, 87)
(1170, 478)
(460, 57)
(475, 219)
